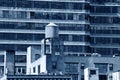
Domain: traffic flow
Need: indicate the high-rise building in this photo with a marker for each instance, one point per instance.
(104, 26)
(79, 66)
(86, 26)
(22, 24)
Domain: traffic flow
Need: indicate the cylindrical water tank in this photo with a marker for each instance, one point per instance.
(51, 31)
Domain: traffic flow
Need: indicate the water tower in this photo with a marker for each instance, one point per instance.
(52, 47)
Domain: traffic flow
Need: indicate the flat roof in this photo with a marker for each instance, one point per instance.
(39, 76)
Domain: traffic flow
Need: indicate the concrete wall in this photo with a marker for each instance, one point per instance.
(89, 76)
(3, 77)
(32, 63)
(40, 62)
(116, 75)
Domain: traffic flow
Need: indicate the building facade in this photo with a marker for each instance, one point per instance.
(86, 26)
(104, 24)
(74, 65)
(23, 22)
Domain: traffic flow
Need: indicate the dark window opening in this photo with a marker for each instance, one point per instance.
(34, 70)
(92, 72)
(54, 65)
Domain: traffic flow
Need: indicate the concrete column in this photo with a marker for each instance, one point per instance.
(9, 62)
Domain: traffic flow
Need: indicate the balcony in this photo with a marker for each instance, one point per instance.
(44, 21)
(21, 31)
(105, 45)
(41, 31)
(28, 42)
(20, 42)
(74, 32)
(105, 35)
(75, 43)
(20, 64)
(65, 0)
(104, 4)
(44, 10)
(20, 52)
(105, 14)
(104, 25)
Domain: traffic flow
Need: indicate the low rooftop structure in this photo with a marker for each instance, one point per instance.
(36, 77)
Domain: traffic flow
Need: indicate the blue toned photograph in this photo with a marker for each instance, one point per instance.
(59, 39)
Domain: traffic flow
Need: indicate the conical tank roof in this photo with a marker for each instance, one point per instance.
(51, 25)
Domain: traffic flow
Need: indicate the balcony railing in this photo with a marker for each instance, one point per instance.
(22, 31)
(104, 4)
(28, 42)
(45, 21)
(105, 35)
(105, 45)
(44, 10)
(41, 31)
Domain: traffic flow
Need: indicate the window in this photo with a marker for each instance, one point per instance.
(103, 77)
(59, 5)
(71, 48)
(98, 1)
(24, 70)
(75, 77)
(20, 58)
(21, 14)
(70, 16)
(1, 14)
(64, 37)
(32, 15)
(95, 19)
(14, 14)
(58, 16)
(38, 69)
(102, 40)
(54, 65)
(82, 77)
(116, 20)
(111, 67)
(20, 70)
(71, 67)
(41, 4)
(42, 15)
(82, 65)
(53, 16)
(5, 14)
(78, 6)
(78, 38)
(116, 40)
(1, 58)
(103, 68)
(81, 17)
(47, 49)
(92, 72)
(34, 69)
(45, 15)
(14, 47)
(103, 51)
(1, 70)
(72, 27)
